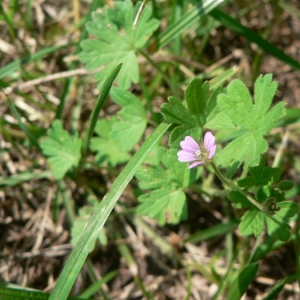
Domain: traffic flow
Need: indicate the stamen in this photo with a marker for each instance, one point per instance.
(198, 152)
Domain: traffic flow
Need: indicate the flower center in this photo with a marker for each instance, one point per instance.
(198, 152)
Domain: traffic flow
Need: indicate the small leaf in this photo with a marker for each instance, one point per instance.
(261, 176)
(166, 201)
(287, 209)
(175, 112)
(196, 98)
(200, 104)
(246, 182)
(62, 150)
(129, 130)
(105, 146)
(252, 222)
(241, 282)
(263, 193)
(238, 199)
(270, 174)
(277, 226)
(180, 132)
(285, 185)
(165, 204)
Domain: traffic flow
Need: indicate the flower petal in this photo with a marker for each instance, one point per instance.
(184, 156)
(209, 141)
(212, 151)
(189, 145)
(195, 164)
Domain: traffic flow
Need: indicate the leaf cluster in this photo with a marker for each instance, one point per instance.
(191, 115)
(165, 183)
(263, 183)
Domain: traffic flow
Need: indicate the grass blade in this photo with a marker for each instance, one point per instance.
(98, 219)
(211, 232)
(95, 113)
(30, 136)
(242, 281)
(17, 64)
(187, 21)
(253, 37)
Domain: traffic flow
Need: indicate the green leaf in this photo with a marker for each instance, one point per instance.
(252, 119)
(252, 222)
(117, 42)
(196, 98)
(107, 149)
(128, 131)
(16, 64)
(276, 289)
(16, 179)
(165, 204)
(62, 150)
(167, 201)
(285, 185)
(261, 175)
(176, 112)
(187, 21)
(241, 282)
(200, 104)
(274, 219)
(238, 199)
(277, 226)
(287, 209)
(180, 132)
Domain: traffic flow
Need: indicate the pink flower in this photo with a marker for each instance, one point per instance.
(197, 154)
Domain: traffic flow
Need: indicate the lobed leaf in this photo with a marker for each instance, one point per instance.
(63, 151)
(117, 42)
(166, 201)
(106, 148)
(167, 205)
(133, 120)
(200, 105)
(276, 226)
(175, 112)
(252, 222)
(238, 199)
(252, 119)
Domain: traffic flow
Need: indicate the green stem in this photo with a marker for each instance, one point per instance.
(234, 187)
